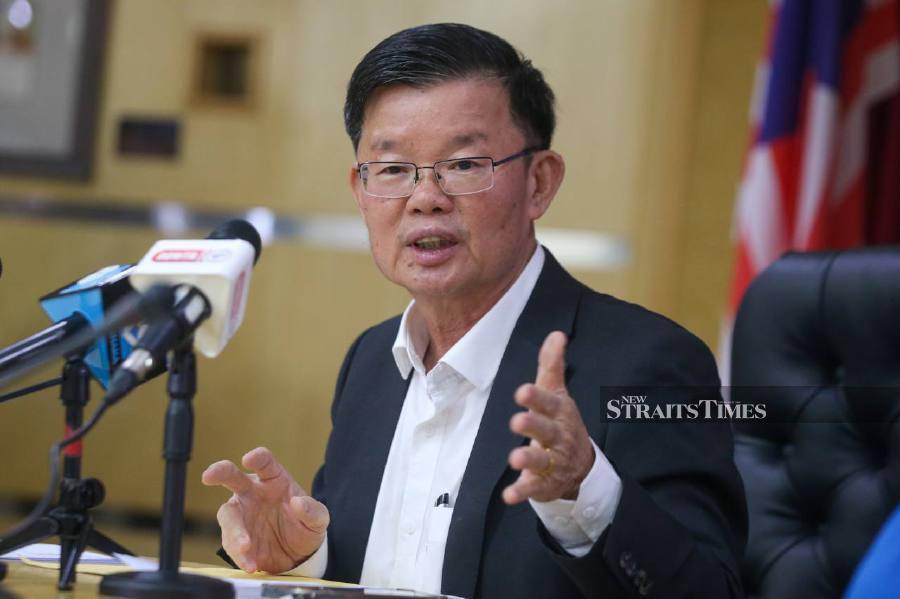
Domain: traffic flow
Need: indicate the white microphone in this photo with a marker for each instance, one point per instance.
(211, 277)
(219, 266)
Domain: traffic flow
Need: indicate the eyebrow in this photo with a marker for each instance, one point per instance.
(468, 138)
(382, 145)
(464, 139)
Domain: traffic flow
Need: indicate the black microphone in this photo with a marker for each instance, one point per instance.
(149, 354)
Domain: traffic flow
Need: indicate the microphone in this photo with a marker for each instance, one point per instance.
(85, 302)
(219, 266)
(148, 357)
(93, 316)
(211, 278)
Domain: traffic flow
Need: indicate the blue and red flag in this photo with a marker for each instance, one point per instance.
(822, 168)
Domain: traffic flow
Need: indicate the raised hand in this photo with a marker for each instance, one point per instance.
(270, 523)
(560, 454)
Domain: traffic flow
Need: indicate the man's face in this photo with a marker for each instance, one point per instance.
(485, 237)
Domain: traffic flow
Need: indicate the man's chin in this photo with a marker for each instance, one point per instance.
(432, 285)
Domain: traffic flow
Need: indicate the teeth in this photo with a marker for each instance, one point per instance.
(430, 243)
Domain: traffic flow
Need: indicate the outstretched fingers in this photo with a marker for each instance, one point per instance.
(533, 424)
(551, 371)
(263, 463)
(527, 485)
(226, 474)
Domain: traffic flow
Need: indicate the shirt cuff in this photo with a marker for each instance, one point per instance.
(576, 525)
(315, 565)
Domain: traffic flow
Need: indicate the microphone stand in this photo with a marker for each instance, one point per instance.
(167, 581)
(71, 519)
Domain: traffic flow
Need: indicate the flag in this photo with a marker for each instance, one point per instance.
(822, 169)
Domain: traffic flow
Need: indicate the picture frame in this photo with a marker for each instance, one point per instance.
(50, 87)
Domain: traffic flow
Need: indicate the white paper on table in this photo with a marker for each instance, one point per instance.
(137, 563)
(48, 552)
(245, 588)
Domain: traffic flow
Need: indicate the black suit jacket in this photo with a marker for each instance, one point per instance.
(681, 523)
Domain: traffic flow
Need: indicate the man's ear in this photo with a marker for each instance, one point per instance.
(545, 176)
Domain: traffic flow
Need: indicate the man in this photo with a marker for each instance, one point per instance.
(432, 457)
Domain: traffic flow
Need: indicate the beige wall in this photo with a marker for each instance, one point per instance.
(652, 96)
(732, 35)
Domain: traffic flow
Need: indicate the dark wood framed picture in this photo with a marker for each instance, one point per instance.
(51, 62)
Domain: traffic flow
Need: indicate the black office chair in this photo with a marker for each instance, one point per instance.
(817, 338)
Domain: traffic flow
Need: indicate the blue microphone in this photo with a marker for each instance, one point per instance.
(86, 302)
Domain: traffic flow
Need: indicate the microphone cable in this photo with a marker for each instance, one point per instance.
(32, 389)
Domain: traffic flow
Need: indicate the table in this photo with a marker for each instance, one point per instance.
(29, 582)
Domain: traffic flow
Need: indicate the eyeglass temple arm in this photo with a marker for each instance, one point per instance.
(524, 152)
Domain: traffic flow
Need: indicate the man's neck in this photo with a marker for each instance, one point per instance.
(447, 320)
(444, 329)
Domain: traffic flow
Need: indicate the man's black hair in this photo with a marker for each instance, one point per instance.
(432, 54)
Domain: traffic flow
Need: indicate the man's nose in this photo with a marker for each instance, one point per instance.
(427, 195)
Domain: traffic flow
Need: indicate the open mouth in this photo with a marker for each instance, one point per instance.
(432, 243)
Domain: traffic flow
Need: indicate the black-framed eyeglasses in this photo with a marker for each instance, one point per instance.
(456, 176)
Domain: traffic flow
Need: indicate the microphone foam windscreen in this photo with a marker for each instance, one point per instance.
(239, 229)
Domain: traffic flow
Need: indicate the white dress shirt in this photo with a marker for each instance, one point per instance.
(430, 449)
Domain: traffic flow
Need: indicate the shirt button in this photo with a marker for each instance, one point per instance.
(409, 528)
(590, 512)
(561, 521)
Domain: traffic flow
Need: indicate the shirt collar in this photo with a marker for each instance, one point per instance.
(477, 355)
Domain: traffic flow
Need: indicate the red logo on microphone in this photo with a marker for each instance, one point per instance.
(236, 298)
(183, 255)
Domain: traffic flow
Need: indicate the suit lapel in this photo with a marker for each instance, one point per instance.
(551, 307)
(486, 465)
(370, 434)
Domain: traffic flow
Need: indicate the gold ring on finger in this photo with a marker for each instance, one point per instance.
(549, 467)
